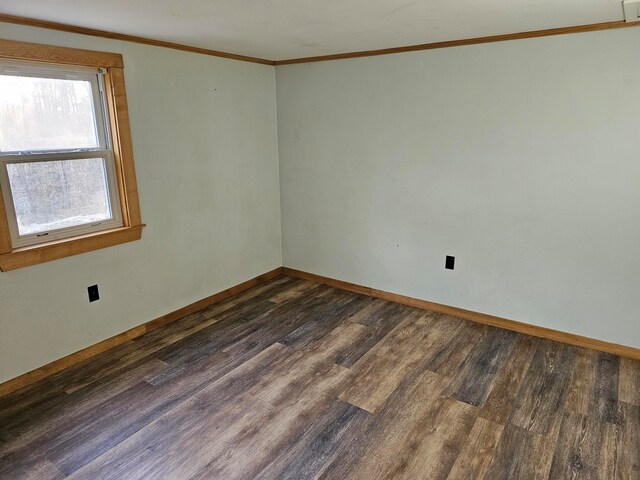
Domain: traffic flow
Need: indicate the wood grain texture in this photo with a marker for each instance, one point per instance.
(627, 462)
(475, 378)
(35, 52)
(338, 429)
(629, 384)
(342, 306)
(46, 252)
(522, 455)
(257, 386)
(483, 318)
(544, 389)
(604, 401)
(456, 341)
(507, 385)
(586, 449)
(5, 234)
(579, 393)
(379, 318)
(433, 451)
(32, 22)
(377, 374)
(594, 27)
(396, 431)
(120, 128)
(476, 456)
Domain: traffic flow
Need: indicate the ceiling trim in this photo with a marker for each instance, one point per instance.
(127, 38)
(469, 41)
(593, 27)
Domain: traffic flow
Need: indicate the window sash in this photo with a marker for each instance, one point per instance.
(94, 76)
(115, 221)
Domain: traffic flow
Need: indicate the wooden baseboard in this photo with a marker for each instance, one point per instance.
(100, 347)
(483, 318)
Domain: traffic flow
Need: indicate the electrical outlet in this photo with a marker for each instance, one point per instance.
(93, 293)
(449, 262)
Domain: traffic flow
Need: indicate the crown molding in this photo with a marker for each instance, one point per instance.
(31, 22)
(594, 27)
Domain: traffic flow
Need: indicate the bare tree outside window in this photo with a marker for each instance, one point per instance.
(58, 194)
(45, 114)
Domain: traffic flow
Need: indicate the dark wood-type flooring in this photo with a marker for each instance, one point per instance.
(297, 380)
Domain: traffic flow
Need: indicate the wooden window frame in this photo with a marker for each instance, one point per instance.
(116, 101)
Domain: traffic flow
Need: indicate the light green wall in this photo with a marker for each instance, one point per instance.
(520, 158)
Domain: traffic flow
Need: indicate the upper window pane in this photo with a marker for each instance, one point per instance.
(46, 114)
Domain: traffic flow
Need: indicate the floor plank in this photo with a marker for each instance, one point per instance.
(605, 392)
(581, 386)
(506, 387)
(523, 455)
(478, 451)
(402, 423)
(377, 374)
(629, 384)
(544, 388)
(628, 444)
(456, 341)
(34, 427)
(380, 318)
(586, 448)
(338, 429)
(478, 372)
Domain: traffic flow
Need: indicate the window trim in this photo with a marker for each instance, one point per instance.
(117, 118)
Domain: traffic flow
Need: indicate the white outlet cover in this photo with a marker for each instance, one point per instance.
(631, 10)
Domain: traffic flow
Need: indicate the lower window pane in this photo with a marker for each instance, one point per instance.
(59, 194)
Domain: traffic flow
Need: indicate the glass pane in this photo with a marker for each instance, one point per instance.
(59, 194)
(46, 114)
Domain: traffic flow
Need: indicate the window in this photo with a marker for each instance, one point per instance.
(67, 179)
(57, 176)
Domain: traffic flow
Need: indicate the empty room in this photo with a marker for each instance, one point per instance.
(384, 239)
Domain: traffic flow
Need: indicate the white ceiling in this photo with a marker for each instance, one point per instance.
(283, 29)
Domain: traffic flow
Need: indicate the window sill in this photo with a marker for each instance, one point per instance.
(45, 252)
